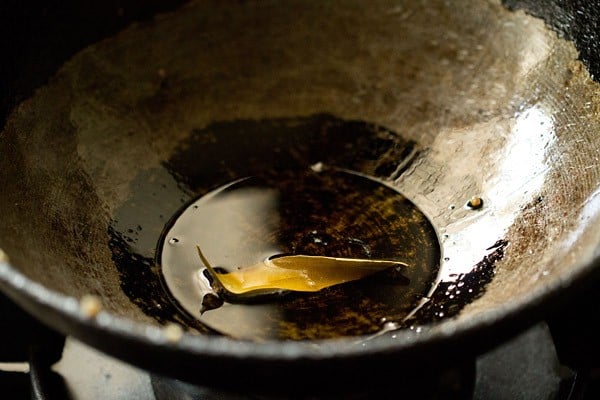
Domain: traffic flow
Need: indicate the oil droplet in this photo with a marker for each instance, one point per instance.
(173, 241)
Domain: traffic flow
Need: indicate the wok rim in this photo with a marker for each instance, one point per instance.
(507, 319)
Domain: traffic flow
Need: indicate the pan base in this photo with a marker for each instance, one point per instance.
(286, 154)
(317, 211)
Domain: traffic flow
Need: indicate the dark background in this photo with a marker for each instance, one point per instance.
(36, 38)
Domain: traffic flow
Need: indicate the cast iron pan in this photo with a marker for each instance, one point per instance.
(440, 102)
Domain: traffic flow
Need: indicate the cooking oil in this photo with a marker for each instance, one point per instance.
(299, 186)
(318, 221)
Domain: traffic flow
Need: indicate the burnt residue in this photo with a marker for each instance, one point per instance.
(141, 282)
(225, 151)
(450, 298)
(133, 236)
(138, 280)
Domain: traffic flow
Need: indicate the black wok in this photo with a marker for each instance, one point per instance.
(488, 102)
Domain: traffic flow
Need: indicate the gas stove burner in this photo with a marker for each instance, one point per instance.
(455, 383)
(524, 368)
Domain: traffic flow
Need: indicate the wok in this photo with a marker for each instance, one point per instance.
(482, 99)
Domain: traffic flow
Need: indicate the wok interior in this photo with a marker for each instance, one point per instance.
(497, 104)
